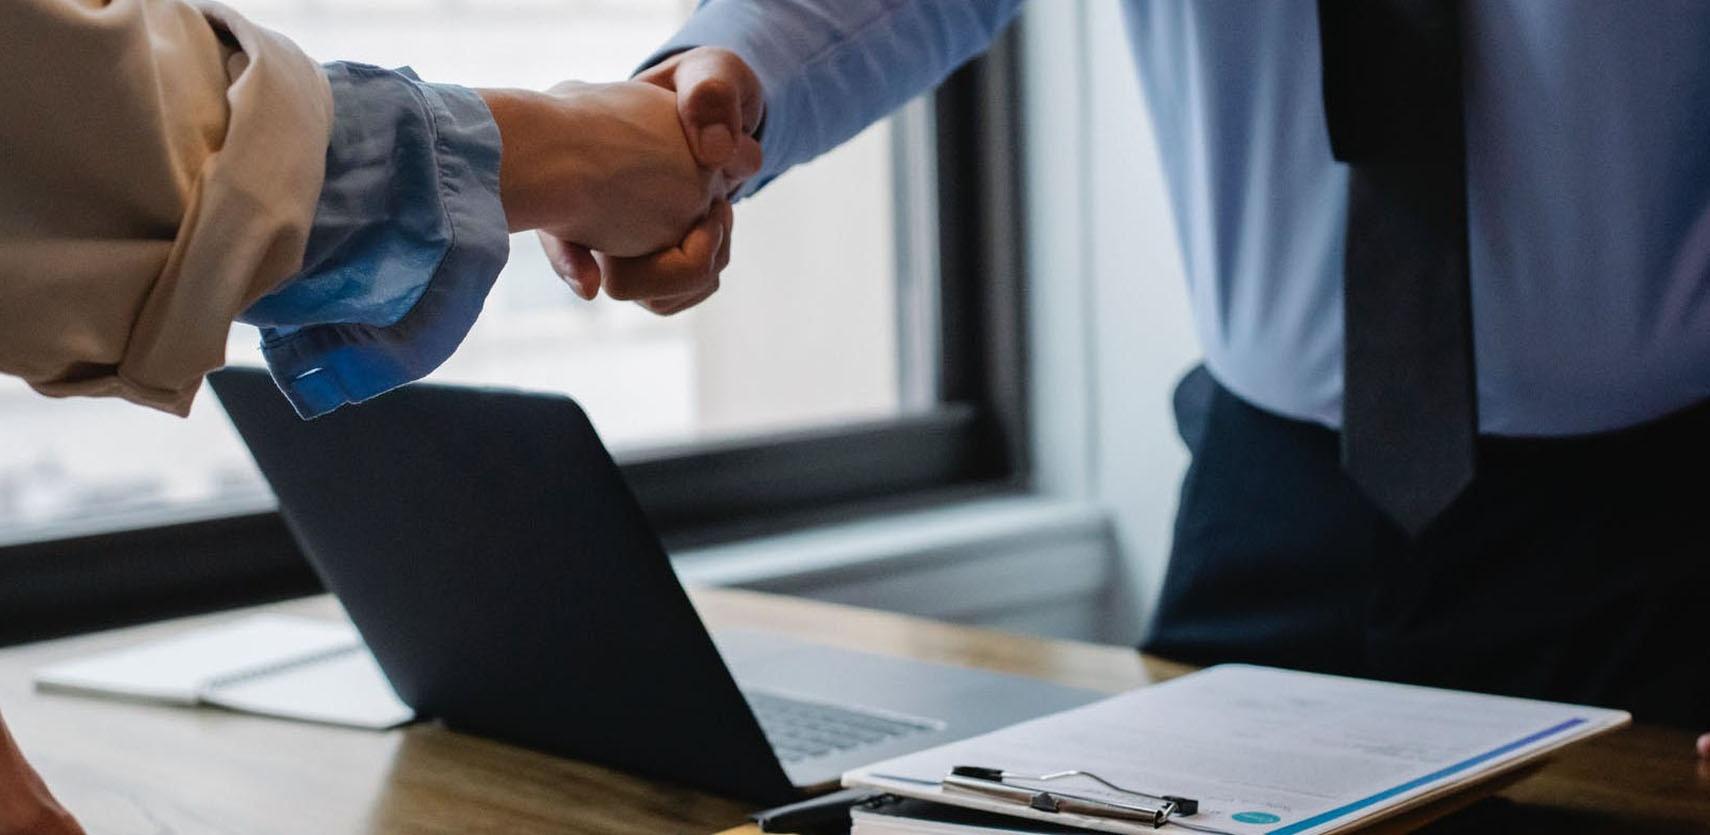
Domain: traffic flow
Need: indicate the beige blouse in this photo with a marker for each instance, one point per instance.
(160, 162)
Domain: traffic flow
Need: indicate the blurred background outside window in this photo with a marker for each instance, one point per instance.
(811, 327)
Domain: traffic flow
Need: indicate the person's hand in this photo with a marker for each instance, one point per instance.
(603, 165)
(1704, 747)
(26, 805)
(719, 104)
(667, 282)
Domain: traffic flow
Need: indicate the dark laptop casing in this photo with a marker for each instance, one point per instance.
(489, 551)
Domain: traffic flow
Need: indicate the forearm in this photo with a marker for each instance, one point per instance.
(26, 806)
(534, 140)
(830, 68)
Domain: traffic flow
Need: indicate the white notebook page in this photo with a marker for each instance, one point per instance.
(176, 669)
(276, 665)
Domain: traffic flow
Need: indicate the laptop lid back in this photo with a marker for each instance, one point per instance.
(489, 551)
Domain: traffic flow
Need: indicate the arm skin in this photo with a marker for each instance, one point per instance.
(680, 277)
(26, 806)
(638, 171)
(605, 165)
(815, 72)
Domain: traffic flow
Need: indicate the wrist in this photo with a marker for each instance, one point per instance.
(536, 159)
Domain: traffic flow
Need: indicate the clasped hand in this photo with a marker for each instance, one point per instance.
(628, 184)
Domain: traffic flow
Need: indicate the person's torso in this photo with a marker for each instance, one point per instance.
(1589, 203)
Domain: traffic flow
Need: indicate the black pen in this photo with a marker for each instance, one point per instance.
(824, 815)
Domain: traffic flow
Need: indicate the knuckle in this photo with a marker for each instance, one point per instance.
(713, 99)
(715, 87)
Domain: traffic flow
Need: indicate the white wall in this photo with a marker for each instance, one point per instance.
(1110, 326)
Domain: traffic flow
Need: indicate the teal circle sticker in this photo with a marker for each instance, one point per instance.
(1256, 817)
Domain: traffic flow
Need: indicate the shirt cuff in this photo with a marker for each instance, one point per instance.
(408, 237)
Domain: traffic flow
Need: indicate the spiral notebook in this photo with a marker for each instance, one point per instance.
(272, 665)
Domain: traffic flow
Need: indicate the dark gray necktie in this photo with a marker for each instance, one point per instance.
(1392, 98)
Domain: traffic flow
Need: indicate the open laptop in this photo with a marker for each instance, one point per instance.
(492, 556)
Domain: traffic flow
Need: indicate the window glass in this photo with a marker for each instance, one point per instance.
(804, 331)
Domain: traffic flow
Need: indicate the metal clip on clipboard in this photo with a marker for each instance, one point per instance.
(1152, 810)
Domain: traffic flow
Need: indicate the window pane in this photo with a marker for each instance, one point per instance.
(803, 332)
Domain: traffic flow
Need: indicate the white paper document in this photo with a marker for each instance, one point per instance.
(276, 665)
(1262, 750)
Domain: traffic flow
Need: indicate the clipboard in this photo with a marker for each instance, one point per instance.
(1261, 751)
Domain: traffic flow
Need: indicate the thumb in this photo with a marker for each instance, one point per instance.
(719, 103)
(1704, 746)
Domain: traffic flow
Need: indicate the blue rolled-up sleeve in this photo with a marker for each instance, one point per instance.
(408, 237)
(830, 68)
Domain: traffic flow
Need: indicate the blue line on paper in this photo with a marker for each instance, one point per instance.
(1434, 776)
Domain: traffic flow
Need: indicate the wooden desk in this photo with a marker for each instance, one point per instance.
(127, 768)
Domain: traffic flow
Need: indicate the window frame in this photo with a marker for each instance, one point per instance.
(972, 441)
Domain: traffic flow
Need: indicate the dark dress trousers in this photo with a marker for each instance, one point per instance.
(1575, 569)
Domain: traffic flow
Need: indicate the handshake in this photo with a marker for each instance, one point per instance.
(628, 184)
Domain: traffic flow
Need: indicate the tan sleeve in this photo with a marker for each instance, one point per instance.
(160, 161)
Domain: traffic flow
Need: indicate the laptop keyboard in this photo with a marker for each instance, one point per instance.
(800, 730)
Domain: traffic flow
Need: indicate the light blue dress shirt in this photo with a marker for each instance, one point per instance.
(408, 236)
(1588, 142)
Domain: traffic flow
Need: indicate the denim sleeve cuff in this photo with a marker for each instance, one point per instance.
(408, 237)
